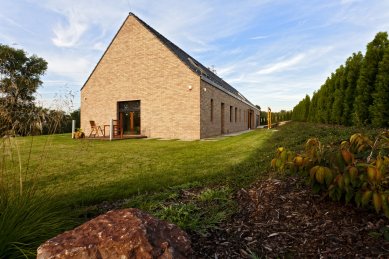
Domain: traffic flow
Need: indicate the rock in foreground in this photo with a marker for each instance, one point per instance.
(127, 233)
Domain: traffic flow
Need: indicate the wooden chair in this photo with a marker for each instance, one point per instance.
(117, 128)
(95, 129)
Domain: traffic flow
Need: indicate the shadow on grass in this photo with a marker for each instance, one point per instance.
(256, 165)
(237, 175)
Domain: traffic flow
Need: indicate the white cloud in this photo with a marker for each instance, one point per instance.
(260, 37)
(15, 24)
(191, 24)
(226, 70)
(72, 67)
(99, 46)
(347, 2)
(281, 66)
(8, 39)
(81, 19)
(69, 35)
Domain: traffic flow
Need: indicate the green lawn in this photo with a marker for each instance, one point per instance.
(85, 172)
(90, 171)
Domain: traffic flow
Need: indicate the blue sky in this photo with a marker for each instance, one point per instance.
(273, 52)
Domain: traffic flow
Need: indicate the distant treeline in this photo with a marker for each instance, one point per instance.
(50, 121)
(283, 115)
(57, 121)
(356, 94)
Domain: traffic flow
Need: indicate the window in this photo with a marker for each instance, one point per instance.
(211, 109)
(236, 114)
(240, 115)
(230, 113)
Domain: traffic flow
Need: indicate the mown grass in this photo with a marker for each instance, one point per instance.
(89, 171)
(86, 172)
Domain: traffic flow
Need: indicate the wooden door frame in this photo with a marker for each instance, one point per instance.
(222, 122)
(250, 119)
(131, 117)
(131, 122)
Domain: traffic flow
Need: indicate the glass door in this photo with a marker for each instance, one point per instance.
(129, 113)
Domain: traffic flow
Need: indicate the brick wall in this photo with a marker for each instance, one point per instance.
(137, 66)
(212, 127)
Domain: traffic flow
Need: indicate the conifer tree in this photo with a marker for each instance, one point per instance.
(301, 110)
(312, 114)
(307, 102)
(322, 102)
(379, 111)
(337, 106)
(367, 78)
(329, 96)
(353, 65)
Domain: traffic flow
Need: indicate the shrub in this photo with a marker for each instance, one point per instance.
(356, 170)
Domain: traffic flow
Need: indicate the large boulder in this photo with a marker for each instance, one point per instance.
(127, 233)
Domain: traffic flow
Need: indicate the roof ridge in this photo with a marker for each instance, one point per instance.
(187, 59)
(191, 62)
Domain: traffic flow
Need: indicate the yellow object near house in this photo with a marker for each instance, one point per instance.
(268, 118)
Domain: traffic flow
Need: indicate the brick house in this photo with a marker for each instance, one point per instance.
(160, 91)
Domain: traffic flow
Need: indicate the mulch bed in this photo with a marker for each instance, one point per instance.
(283, 218)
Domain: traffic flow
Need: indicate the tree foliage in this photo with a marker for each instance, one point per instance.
(301, 110)
(379, 110)
(353, 65)
(367, 78)
(19, 80)
(357, 93)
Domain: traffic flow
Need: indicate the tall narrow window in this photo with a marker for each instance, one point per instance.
(240, 115)
(236, 114)
(230, 113)
(211, 109)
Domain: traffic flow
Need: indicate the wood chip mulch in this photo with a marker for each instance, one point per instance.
(283, 218)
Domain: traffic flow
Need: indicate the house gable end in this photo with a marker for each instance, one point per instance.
(152, 31)
(195, 66)
(138, 67)
(105, 52)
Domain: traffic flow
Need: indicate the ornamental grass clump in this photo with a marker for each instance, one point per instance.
(28, 216)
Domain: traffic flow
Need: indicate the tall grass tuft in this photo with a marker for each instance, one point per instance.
(28, 216)
(26, 221)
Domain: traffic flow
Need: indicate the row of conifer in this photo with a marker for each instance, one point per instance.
(357, 93)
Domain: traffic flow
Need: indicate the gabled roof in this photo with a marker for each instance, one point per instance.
(193, 64)
(206, 74)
